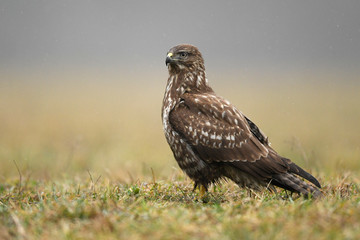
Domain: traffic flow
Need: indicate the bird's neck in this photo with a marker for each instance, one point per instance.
(188, 82)
(180, 83)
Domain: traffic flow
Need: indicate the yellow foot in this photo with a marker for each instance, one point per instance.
(202, 195)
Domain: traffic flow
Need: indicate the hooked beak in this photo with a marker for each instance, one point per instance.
(168, 58)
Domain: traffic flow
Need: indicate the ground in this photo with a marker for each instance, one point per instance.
(78, 161)
(101, 209)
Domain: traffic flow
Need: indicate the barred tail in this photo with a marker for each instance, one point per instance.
(301, 172)
(292, 183)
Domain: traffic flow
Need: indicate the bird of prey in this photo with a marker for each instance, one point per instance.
(212, 140)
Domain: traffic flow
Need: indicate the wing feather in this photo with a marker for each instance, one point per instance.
(216, 130)
(218, 133)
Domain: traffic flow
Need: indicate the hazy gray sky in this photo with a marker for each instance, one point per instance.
(232, 34)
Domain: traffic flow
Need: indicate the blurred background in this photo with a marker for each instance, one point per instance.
(82, 82)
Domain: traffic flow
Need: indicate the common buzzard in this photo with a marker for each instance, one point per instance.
(211, 139)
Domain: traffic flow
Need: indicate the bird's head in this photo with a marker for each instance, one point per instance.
(184, 57)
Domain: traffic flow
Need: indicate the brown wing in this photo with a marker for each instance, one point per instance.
(218, 132)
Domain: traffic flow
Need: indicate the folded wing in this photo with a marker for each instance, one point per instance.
(219, 133)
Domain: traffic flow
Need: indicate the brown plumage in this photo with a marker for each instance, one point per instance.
(211, 139)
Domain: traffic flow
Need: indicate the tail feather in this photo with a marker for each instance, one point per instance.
(301, 172)
(292, 183)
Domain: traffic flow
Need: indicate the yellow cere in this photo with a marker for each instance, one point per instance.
(170, 54)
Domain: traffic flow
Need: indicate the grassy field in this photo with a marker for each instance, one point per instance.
(83, 156)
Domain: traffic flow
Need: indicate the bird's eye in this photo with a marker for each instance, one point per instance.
(183, 54)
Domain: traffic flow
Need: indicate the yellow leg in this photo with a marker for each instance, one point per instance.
(202, 191)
